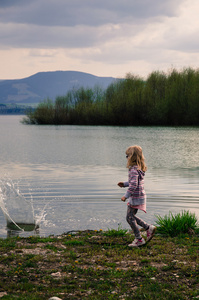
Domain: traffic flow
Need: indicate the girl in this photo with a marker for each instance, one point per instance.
(136, 194)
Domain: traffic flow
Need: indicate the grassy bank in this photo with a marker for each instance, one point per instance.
(99, 265)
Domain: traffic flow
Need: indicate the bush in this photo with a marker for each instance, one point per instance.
(174, 225)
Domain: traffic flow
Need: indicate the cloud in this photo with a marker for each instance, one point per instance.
(182, 32)
(77, 23)
(84, 12)
(106, 36)
(22, 35)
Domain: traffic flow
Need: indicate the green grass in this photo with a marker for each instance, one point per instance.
(99, 265)
(74, 243)
(180, 223)
(115, 233)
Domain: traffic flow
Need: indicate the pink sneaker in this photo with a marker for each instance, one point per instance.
(137, 243)
(150, 232)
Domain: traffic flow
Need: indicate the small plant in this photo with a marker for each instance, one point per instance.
(51, 247)
(73, 255)
(114, 232)
(74, 243)
(174, 225)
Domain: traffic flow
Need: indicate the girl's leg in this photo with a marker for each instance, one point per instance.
(141, 222)
(134, 221)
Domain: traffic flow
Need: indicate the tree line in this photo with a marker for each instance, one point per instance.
(165, 99)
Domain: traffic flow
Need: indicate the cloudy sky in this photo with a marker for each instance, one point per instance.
(101, 37)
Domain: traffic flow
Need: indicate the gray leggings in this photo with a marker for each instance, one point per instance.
(134, 221)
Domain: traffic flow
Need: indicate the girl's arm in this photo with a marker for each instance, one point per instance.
(123, 198)
(123, 184)
(133, 182)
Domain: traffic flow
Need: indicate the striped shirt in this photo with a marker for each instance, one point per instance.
(136, 194)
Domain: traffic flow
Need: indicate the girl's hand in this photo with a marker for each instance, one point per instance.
(123, 198)
(121, 184)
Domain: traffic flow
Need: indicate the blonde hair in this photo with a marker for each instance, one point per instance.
(135, 158)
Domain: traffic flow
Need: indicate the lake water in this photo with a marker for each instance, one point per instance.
(70, 173)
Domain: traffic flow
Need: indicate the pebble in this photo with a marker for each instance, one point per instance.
(58, 274)
(2, 294)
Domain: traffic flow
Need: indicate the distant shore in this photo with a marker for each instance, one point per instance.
(161, 100)
(14, 109)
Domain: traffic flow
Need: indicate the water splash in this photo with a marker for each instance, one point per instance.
(18, 211)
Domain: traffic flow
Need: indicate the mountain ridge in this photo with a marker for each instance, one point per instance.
(42, 85)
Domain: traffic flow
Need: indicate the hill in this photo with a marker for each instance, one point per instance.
(42, 85)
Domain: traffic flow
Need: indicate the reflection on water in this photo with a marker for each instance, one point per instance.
(14, 229)
(70, 173)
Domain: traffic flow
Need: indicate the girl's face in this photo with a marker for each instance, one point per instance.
(127, 156)
(129, 153)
